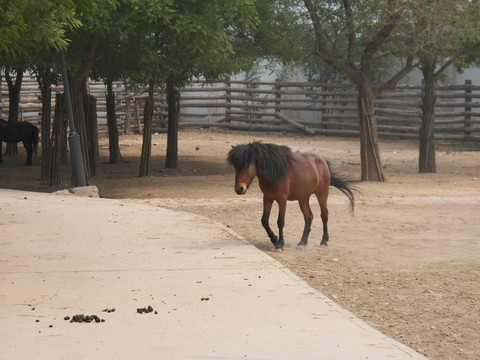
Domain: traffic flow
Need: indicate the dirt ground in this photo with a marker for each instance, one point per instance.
(407, 261)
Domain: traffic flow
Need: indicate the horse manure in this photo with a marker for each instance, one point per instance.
(145, 310)
(81, 318)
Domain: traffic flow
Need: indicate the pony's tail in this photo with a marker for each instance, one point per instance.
(344, 188)
(342, 185)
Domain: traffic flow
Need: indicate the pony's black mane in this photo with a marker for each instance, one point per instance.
(272, 161)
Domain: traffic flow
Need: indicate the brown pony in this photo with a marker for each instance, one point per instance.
(284, 175)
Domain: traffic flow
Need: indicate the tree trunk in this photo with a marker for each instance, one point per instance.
(173, 100)
(426, 159)
(78, 92)
(45, 85)
(369, 149)
(57, 141)
(92, 133)
(14, 101)
(147, 133)
(114, 150)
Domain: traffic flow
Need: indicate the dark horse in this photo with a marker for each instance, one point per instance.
(284, 175)
(21, 131)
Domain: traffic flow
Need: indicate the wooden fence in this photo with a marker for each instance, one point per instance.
(311, 108)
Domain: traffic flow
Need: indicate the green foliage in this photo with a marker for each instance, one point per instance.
(281, 32)
(148, 40)
(356, 38)
(199, 41)
(12, 26)
(331, 46)
(443, 30)
(29, 26)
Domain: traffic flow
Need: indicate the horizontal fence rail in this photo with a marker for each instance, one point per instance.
(311, 108)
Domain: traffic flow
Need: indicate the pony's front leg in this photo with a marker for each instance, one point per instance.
(267, 208)
(282, 207)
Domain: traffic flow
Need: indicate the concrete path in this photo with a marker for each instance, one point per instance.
(213, 294)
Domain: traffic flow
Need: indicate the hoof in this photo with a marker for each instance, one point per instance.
(323, 243)
(279, 250)
(279, 245)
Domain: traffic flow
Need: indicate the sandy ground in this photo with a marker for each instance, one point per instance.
(407, 261)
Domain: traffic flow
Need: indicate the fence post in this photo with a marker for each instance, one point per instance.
(228, 100)
(468, 109)
(128, 118)
(278, 96)
(137, 110)
(323, 111)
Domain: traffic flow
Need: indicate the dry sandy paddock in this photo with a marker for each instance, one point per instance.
(407, 261)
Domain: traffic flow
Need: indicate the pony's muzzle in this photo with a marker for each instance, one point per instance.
(241, 190)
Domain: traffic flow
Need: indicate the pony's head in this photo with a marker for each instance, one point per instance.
(243, 160)
(267, 161)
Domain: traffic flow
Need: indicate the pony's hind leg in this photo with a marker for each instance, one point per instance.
(308, 217)
(29, 147)
(267, 207)
(322, 200)
(324, 216)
